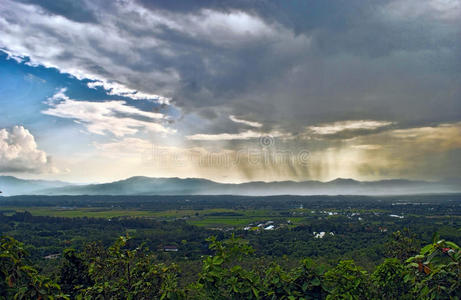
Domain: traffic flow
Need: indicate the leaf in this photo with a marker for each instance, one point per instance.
(435, 237)
(255, 291)
(452, 245)
(218, 260)
(427, 270)
(427, 248)
(315, 281)
(10, 281)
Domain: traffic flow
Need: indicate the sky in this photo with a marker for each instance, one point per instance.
(230, 90)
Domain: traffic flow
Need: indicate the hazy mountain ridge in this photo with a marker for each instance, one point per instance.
(140, 185)
(10, 185)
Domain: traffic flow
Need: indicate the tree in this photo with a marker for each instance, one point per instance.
(19, 280)
(388, 279)
(347, 281)
(435, 273)
(305, 282)
(74, 274)
(121, 273)
(402, 245)
(222, 278)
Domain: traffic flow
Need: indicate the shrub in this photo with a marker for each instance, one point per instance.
(19, 280)
(347, 281)
(388, 279)
(436, 272)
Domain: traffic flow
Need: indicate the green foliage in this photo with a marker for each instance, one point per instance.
(74, 275)
(19, 280)
(304, 282)
(347, 281)
(436, 272)
(388, 279)
(121, 273)
(278, 284)
(402, 245)
(360, 229)
(222, 278)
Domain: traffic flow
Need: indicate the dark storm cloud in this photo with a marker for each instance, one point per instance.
(73, 10)
(354, 25)
(289, 64)
(300, 15)
(364, 61)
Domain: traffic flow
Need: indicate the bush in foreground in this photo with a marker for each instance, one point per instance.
(119, 272)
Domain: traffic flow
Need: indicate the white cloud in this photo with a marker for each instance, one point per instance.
(224, 136)
(442, 137)
(246, 135)
(337, 127)
(117, 89)
(19, 152)
(367, 147)
(114, 116)
(248, 123)
(227, 28)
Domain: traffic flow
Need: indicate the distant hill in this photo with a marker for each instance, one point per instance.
(140, 186)
(10, 185)
(193, 186)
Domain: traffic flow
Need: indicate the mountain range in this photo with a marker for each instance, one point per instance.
(139, 185)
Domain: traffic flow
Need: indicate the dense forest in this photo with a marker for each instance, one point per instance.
(231, 272)
(210, 247)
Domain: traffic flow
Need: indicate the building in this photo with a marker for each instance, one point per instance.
(170, 249)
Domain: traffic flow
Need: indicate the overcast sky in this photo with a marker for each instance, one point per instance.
(231, 90)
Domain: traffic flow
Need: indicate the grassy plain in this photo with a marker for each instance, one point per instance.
(215, 217)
